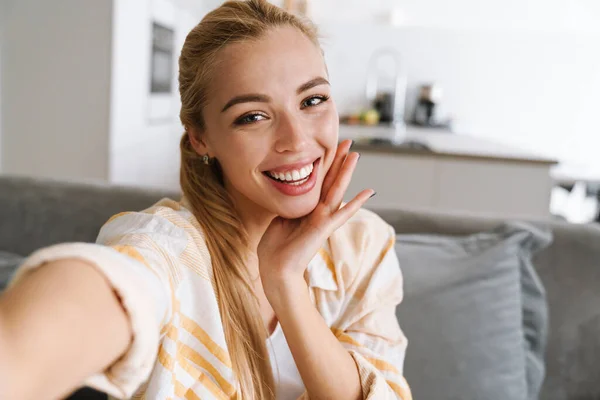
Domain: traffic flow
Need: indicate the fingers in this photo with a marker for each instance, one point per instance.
(338, 161)
(338, 189)
(340, 217)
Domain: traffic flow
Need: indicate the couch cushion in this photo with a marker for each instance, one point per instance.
(570, 272)
(8, 264)
(474, 313)
(39, 213)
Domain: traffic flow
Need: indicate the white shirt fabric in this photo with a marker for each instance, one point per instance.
(288, 382)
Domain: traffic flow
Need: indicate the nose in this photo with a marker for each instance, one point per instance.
(291, 134)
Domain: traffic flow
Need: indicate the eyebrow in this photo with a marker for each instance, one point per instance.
(261, 98)
(246, 98)
(311, 84)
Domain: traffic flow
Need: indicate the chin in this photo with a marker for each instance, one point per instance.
(297, 208)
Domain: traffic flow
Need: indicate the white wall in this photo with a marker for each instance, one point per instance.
(529, 15)
(144, 152)
(77, 92)
(56, 70)
(5, 6)
(2, 14)
(521, 72)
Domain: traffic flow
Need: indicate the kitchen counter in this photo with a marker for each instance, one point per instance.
(435, 142)
(435, 170)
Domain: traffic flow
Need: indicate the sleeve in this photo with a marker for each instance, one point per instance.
(136, 252)
(369, 329)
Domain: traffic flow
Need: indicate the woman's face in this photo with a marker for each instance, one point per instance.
(271, 122)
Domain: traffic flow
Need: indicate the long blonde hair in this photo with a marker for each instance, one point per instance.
(202, 185)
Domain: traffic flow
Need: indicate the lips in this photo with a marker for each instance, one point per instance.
(295, 187)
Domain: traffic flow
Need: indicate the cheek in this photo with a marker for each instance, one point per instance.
(237, 164)
(242, 151)
(240, 161)
(329, 135)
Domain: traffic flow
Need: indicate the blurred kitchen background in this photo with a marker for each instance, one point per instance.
(472, 106)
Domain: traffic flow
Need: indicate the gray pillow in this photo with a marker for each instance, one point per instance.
(474, 313)
(8, 264)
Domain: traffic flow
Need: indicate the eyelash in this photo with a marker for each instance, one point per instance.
(321, 97)
(243, 119)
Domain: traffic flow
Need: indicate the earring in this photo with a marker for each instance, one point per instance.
(205, 159)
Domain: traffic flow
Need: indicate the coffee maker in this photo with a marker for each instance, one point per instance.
(426, 109)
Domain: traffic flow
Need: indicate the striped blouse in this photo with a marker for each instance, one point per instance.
(159, 265)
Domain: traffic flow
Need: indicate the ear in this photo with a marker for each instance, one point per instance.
(198, 140)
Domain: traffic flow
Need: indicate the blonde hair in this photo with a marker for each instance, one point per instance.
(202, 185)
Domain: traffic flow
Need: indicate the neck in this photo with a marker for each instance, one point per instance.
(255, 219)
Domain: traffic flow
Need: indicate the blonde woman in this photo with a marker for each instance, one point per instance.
(259, 283)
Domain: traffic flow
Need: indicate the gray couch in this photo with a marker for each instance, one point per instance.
(34, 214)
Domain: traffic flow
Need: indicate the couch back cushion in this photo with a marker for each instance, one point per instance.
(8, 264)
(36, 213)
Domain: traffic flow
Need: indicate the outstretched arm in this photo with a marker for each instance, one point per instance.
(59, 324)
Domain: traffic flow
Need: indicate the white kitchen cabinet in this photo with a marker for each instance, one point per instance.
(398, 180)
(457, 174)
(494, 187)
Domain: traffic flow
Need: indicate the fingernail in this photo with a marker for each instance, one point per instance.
(358, 156)
(374, 193)
(351, 144)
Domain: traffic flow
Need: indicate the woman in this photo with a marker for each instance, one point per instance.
(259, 283)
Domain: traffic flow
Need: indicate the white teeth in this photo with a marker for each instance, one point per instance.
(298, 183)
(294, 175)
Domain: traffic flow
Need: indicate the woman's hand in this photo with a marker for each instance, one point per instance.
(288, 245)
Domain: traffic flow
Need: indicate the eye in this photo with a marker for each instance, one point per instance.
(249, 119)
(314, 101)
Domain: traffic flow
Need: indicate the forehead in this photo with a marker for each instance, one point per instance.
(280, 61)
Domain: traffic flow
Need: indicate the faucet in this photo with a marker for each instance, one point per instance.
(399, 95)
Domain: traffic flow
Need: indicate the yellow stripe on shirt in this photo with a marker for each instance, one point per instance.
(327, 259)
(344, 338)
(403, 392)
(195, 357)
(165, 358)
(198, 376)
(383, 365)
(388, 246)
(195, 330)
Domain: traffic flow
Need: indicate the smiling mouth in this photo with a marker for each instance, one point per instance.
(293, 177)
